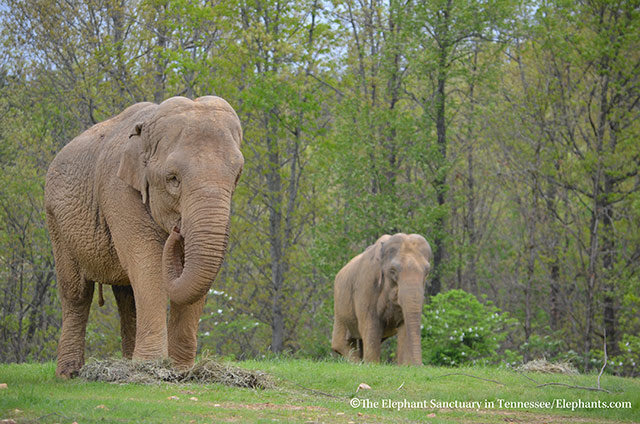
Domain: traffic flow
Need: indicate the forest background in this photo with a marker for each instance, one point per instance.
(506, 132)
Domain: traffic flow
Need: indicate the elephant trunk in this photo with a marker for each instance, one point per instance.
(411, 302)
(191, 265)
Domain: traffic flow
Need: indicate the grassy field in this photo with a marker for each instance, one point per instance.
(310, 392)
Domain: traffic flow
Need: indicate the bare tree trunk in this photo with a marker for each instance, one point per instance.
(274, 187)
(121, 77)
(160, 62)
(441, 132)
(441, 176)
(608, 246)
(592, 278)
(470, 222)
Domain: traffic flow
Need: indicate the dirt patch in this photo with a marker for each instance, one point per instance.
(206, 371)
(528, 417)
(269, 406)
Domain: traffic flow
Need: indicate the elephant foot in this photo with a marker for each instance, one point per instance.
(182, 358)
(183, 366)
(138, 356)
(68, 370)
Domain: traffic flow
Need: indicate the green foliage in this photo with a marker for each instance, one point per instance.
(504, 132)
(459, 330)
(228, 331)
(543, 347)
(103, 338)
(628, 362)
(29, 310)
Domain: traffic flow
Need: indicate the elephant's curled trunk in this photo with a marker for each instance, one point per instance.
(193, 254)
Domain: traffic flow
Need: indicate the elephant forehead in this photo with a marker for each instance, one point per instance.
(193, 129)
(180, 103)
(416, 238)
(412, 248)
(197, 115)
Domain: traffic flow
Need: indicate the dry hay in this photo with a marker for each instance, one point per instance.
(545, 367)
(206, 371)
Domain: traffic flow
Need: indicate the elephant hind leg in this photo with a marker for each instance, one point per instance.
(76, 295)
(357, 348)
(339, 342)
(127, 309)
(343, 344)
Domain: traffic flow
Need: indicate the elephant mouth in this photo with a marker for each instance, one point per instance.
(176, 259)
(176, 225)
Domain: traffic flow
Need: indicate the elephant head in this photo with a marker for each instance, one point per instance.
(405, 262)
(184, 158)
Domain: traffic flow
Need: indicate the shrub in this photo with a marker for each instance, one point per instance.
(458, 329)
(628, 362)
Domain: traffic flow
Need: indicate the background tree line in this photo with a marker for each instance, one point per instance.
(505, 132)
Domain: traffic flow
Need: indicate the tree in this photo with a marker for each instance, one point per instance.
(276, 51)
(29, 317)
(449, 35)
(580, 89)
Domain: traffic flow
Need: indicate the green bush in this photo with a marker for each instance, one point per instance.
(627, 362)
(458, 329)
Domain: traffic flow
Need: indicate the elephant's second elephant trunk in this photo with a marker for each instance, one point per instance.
(190, 264)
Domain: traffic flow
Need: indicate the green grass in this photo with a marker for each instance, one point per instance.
(311, 392)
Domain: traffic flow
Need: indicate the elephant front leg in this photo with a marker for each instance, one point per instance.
(183, 332)
(402, 356)
(371, 340)
(151, 313)
(127, 309)
(139, 251)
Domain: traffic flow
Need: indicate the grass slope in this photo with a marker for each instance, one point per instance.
(313, 392)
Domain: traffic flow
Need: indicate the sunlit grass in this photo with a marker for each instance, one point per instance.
(313, 392)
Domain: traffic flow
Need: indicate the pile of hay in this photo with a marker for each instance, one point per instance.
(205, 371)
(545, 367)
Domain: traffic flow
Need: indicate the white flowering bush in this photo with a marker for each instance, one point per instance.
(627, 363)
(457, 329)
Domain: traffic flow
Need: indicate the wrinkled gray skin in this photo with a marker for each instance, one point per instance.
(142, 202)
(380, 293)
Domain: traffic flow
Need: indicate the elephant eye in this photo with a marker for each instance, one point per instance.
(173, 181)
(393, 273)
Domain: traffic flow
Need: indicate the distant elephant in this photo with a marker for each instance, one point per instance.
(380, 293)
(142, 202)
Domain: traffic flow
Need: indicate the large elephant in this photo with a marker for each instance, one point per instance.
(142, 202)
(380, 293)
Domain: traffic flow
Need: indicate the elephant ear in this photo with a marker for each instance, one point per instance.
(133, 163)
(377, 264)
